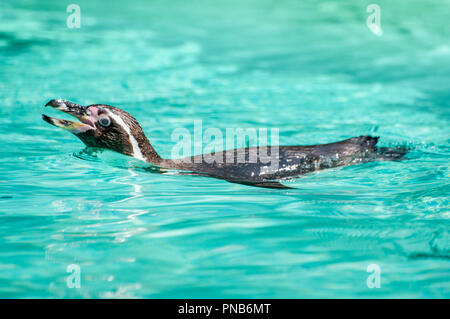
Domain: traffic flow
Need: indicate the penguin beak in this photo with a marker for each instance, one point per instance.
(80, 112)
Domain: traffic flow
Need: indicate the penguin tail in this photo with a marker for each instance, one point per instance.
(382, 153)
(367, 141)
(391, 153)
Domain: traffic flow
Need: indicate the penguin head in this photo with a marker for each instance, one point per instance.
(103, 126)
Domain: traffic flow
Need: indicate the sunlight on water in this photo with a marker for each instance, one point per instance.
(313, 70)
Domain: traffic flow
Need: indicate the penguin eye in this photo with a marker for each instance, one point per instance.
(105, 121)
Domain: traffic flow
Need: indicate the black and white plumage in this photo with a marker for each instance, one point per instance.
(104, 126)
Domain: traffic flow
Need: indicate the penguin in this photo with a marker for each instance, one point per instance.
(108, 127)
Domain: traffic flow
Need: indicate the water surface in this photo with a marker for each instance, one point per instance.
(312, 69)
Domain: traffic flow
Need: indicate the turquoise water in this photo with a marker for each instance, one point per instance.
(312, 69)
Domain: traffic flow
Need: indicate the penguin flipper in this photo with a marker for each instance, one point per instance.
(271, 184)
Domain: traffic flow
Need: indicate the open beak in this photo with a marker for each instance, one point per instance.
(80, 112)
